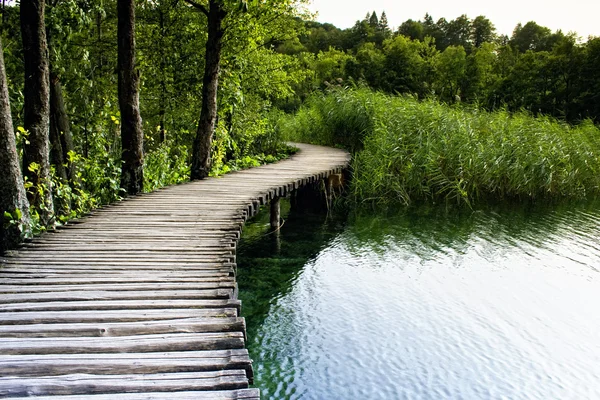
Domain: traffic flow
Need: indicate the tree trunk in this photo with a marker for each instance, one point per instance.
(60, 127)
(56, 149)
(163, 76)
(208, 115)
(132, 139)
(12, 195)
(61, 140)
(36, 107)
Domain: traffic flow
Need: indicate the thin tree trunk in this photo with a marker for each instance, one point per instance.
(12, 195)
(163, 76)
(3, 15)
(132, 139)
(37, 107)
(56, 149)
(60, 124)
(201, 161)
(61, 140)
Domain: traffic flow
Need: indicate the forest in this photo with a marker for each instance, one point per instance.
(104, 99)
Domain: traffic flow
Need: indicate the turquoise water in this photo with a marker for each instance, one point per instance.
(425, 304)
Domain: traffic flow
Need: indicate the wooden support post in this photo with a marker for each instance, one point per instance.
(275, 213)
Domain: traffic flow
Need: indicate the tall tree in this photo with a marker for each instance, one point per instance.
(483, 31)
(132, 138)
(61, 138)
(374, 20)
(58, 32)
(412, 29)
(36, 162)
(201, 162)
(458, 32)
(382, 30)
(14, 207)
(383, 23)
(531, 36)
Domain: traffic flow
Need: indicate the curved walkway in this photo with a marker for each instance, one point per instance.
(140, 298)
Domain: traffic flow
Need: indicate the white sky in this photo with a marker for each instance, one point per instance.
(581, 16)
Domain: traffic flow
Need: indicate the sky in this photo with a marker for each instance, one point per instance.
(581, 16)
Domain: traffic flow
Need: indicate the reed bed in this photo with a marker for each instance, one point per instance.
(408, 151)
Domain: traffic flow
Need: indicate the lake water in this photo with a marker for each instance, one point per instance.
(425, 304)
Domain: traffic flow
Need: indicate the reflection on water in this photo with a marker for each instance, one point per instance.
(426, 304)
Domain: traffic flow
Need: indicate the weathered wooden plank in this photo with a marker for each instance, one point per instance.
(76, 295)
(182, 248)
(118, 271)
(124, 315)
(199, 265)
(132, 363)
(87, 280)
(241, 394)
(121, 286)
(90, 384)
(137, 304)
(161, 258)
(123, 344)
(197, 322)
(122, 276)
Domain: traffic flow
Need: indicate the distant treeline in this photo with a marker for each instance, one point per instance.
(462, 60)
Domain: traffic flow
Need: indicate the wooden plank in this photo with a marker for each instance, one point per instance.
(130, 276)
(119, 271)
(127, 265)
(112, 258)
(120, 305)
(52, 317)
(123, 344)
(79, 295)
(82, 281)
(132, 363)
(120, 286)
(196, 323)
(241, 394)
(91, 384)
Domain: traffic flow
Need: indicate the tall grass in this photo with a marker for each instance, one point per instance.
(343, 118)
(408, 151)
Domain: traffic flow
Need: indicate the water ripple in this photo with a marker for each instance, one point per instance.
(497, 304)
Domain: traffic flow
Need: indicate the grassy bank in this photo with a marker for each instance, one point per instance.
(407, 150)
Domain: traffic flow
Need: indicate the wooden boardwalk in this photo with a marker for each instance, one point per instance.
(139, 300)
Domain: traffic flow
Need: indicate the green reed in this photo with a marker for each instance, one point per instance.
(407, 150)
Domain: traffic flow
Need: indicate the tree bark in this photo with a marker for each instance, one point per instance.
(12, 195)
(163, 76)
(61, 140)
(201, 161)
(132, 139)
(56, 149)
(60, 131)
(37, 107)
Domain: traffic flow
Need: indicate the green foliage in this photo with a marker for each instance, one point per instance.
(259, 141)
(427, 151)
(171, 40)
(13, 220)
(166, 165)
(338, 117)
(462, 60)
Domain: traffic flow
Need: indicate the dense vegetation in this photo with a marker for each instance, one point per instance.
(206, 85)
(84, 126)
(462, 60)
(408, 150)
